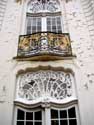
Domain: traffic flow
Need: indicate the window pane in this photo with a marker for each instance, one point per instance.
(38, 123)
(58, 20)
(54, 114)
(38, 115)
(54, 122)
(39, 28)
(28, 21)
(28, 25)
(33, 29)
(20, 115)
(53, 28)
(63, 122)
(63, 114)
(34, 22)
(72, 122)
(20, 122)
(59, 31)
(29, 123)
(29, 115)
(49, 21)
(48, 28)
(71, 112)
(54, 21)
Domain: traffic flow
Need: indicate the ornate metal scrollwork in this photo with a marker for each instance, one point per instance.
(36, 6)
(45, 85)
(44, 43)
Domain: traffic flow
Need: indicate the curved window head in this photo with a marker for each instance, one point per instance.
(37, 6)
(43, 15)
(45, 85)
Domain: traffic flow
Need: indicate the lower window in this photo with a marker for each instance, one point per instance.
(48, 116)
(29, 117)
(63, 116)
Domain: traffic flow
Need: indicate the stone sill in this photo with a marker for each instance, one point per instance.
(44, 58)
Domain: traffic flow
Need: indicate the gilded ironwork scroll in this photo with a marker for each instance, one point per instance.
(44, 43)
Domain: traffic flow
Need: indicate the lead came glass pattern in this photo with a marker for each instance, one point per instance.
(29, 118)
(45, 84)
(63, 117)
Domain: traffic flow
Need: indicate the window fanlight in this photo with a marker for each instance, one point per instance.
(36, 6)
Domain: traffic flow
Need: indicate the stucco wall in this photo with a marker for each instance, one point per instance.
(83, 65)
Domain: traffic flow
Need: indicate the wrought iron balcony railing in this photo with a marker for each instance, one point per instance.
(43, 44)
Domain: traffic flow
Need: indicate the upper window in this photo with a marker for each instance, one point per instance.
(43, 15)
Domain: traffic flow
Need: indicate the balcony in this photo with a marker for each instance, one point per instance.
(44, 46)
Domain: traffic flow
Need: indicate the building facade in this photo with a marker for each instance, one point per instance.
(46, 67)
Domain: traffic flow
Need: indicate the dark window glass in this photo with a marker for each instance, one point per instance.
(28, 30)
(48, 28)
(63, 114)
(58, 20)
(38, 123)
(72, 122)
(54, 122)
(29, 115)
(54, 28)
(20, 115)
(53, 21)
(63, 122)
(38, 115)
(33, 28)
(39, 28)
(29, 123)
(59, 31)
(20, 122)
(34, 22)
(54, 114)
(71, 112)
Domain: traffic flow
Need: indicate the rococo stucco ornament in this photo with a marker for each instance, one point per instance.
(35, 6)
(44, 85)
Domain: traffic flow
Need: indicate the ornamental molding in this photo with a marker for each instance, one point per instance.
(44, 86)
(40, 67)
(36, 6)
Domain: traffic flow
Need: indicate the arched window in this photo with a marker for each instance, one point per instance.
(43, 15)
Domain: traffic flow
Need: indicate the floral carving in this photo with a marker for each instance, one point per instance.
(36, 6)
(45, 85)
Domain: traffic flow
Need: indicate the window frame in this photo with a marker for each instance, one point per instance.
(44, 17)
(46, 113)
(25, 111)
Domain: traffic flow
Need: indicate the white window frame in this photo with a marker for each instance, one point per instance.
(46, 117)
(27, 110)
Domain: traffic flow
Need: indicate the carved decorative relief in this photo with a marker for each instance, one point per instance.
(44, 85)
(36, 6)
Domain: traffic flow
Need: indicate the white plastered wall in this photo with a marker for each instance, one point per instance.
(83, 66)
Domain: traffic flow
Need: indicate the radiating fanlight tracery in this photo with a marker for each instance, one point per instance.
(54, 85)
(36, 6)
